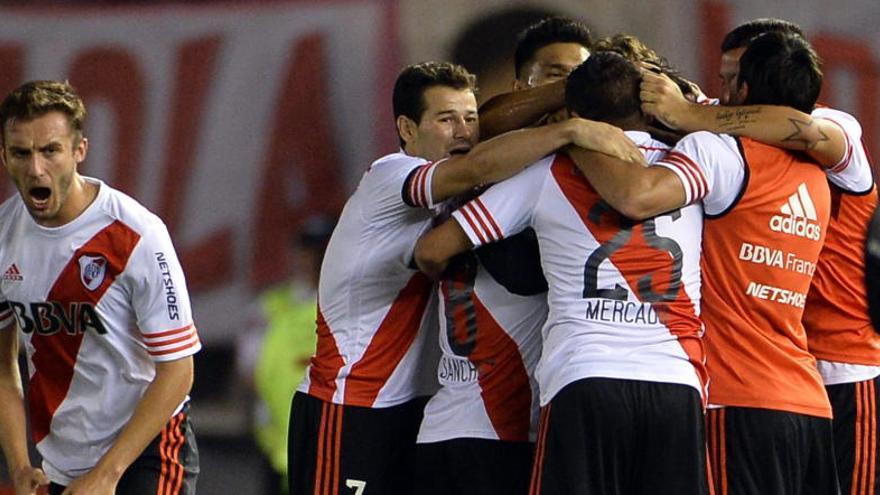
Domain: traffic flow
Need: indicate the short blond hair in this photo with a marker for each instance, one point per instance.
(37, 98)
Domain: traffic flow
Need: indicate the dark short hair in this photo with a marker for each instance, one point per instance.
(409, 89)
(605, 88)
(37, 98)
(740, 36)
(781, 69)
(547, 32)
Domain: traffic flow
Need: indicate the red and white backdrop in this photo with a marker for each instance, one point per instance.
(689, 33)
(235, 121)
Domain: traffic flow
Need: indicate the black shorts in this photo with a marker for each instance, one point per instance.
(473, 466)
(352, 450)
(762, 451)
(855, 436)
(609, 436)
(168, 466)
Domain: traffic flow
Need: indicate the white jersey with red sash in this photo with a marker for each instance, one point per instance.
(376, 312)
(624, 296)
(490, 337)
(100, 300)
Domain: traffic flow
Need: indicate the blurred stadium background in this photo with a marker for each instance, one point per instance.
(239, 121)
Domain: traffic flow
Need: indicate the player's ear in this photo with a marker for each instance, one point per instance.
(742, 92)
(80, 149)
(407, 128)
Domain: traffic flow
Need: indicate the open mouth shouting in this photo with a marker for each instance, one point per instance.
(39, 197)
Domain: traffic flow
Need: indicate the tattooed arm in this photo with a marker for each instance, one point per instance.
(779, 126)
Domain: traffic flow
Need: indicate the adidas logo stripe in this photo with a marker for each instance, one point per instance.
(12, 273)
(800, 204)
(799, 215)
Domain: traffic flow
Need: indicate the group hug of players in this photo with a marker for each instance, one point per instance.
(660, 293)
(628, 308)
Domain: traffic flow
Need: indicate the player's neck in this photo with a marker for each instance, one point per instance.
(81, 195)
(632, 123)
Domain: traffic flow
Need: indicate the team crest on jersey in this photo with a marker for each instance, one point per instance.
(92, 270)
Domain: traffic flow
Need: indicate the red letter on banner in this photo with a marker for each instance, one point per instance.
(112, 74)
(302, 149)
(715, 17)
(855, 55)
(12, 62)
(11, 75)
(208, 262)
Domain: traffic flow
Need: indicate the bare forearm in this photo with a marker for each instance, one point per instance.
(170, 386)
(520, 109)
(613, 179)
(12, 419)
(436, 247)
(783, 127)
(431, 267)
(635, 191)
(12, 425)
(428, 258)
(498, 158)
(779, 126)
(505, 155)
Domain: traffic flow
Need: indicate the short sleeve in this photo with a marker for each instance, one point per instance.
(710, 168)
(160, 298)
(505, 208)
(393, 186)
(398, 179)
(416, 190)
(853, 172)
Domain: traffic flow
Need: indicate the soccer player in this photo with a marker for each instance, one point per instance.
(478, 430)
(836, 319)
(91, 279)
(529, 104)
(621, 374)
(767, 213)
(734, 45)
(355, 417)
(546, 53)
(549, 50)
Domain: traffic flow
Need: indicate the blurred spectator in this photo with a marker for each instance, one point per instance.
(274, 353)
